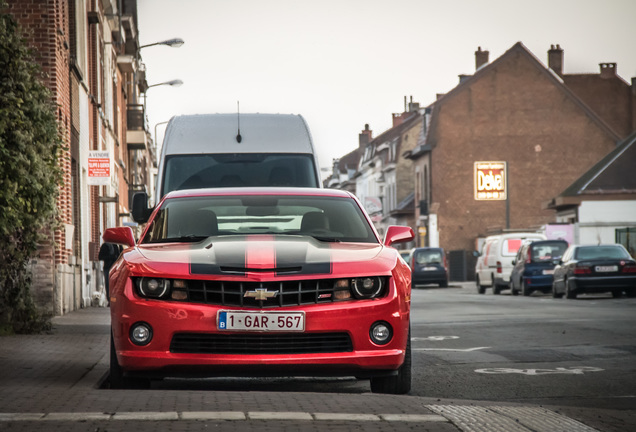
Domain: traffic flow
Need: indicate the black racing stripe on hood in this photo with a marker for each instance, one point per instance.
(294, 255)
(230, 258)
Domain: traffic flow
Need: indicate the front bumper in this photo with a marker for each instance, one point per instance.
(168, 319)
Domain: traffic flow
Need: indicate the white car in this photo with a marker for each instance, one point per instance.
(494, 263)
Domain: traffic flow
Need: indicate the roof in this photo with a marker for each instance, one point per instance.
(520, 49)
(217, 133)
(612, 174)
(238, 191)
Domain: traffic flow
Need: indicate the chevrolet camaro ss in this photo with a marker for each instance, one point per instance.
(260, 282)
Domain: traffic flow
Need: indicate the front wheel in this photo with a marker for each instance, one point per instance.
(396, 384)
(117, 379)
(480, 288)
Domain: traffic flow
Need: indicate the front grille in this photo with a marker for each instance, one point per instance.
(287, 293)
(301, 343)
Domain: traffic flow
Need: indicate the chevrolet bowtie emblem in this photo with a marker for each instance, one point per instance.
(260, 294)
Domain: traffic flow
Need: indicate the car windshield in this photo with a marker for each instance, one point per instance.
(197, 218)
(601, 252)
(547, 251)
(428, 257)
(238, 170)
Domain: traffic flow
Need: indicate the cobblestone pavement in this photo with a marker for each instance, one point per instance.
(51, 382)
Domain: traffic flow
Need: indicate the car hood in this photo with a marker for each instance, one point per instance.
(261, 256)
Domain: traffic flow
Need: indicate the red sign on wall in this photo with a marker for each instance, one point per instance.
(98, 168)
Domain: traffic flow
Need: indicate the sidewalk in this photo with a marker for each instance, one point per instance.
(51, 381)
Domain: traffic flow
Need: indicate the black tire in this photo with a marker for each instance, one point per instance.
(396, 384)
(525, 289)
(555, 294)
(443, 284)
(570, 291)
(480, 288)
(617, 293)
(116, 376)
(117, 379)
(631, 292)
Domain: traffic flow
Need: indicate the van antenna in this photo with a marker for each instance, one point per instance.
(239, 138)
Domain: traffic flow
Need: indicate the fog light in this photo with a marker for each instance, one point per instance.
(141, 333)
(381, 333)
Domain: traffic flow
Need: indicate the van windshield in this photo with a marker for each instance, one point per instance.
(196, 171)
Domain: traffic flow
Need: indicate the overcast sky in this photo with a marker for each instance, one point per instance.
(344, 63)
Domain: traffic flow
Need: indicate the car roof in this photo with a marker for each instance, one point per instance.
(336, 193)
(208, 133)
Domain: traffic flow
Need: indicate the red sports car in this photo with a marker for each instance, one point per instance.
(261, 282)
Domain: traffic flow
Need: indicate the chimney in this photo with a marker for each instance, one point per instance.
(555, 59)
(413, 106)
(365, 137)
(608, 70)
(481, 58)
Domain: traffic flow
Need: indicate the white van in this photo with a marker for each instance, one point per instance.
(494, 262)
(233, 150)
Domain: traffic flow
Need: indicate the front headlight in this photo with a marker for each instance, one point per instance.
(153, 287)
(367, 287)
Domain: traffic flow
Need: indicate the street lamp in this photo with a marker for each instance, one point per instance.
(175, 43)
(172, 83)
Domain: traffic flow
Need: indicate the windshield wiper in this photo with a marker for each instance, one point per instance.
(327, 239)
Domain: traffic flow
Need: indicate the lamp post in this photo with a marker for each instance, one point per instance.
(172, 83)
(156, 140)
(174, 43)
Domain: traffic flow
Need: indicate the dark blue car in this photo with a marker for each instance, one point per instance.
(534, 266)
(428, 266)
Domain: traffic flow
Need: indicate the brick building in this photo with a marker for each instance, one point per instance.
(549, 129)
(384, 179)
(88, 51)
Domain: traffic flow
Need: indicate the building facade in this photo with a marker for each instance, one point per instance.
(88, 51)
(517, 114)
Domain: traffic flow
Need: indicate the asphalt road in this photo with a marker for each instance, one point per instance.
(536, 350)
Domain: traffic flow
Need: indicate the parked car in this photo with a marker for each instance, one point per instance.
(595, 269)
(406, 255)
(232, 150)
(533, 266)
(428, 266)
(494, 262)
(261, 282)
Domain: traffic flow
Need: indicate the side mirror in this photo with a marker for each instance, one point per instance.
(514, 262)
(398, 234)
(119, 235)
(140, 211)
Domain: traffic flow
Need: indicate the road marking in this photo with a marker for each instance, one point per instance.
(508, 419)
(434, 338)
(468, 418)
(578, 370)
(450, 349)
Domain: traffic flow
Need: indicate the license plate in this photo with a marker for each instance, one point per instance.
(261, 321)
(429, 268)
(605, 269)
(548, 272)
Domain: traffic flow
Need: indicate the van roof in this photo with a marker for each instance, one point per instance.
(217, 133)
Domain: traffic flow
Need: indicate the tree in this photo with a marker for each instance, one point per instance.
(30, 142)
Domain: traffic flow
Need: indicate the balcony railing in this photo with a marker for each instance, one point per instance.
(136, 117)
